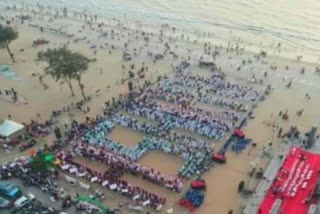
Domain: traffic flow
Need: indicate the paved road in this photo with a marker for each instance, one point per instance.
(40, 196)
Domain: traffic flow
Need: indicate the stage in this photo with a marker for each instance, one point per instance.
(294, 184)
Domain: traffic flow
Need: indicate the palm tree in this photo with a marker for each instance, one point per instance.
(7, 35)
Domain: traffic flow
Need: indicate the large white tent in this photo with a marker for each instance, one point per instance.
(9, 128)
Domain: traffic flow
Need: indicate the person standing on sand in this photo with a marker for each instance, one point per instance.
(307, 96)
(299, 113)
(280, 132)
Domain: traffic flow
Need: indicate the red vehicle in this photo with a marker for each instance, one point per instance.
(239, 133)
(219, 157)
(199, 184)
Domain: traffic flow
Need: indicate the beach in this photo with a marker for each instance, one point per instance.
(253, 24)
(108, 73)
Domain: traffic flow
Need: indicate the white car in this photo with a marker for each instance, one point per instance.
(24, 200)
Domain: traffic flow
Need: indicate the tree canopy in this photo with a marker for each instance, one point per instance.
(7, 35)
(65, 66)
(42, 162)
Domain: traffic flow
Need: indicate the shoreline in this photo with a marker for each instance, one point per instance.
(218, 35)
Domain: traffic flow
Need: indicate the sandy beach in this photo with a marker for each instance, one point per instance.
(109, 69)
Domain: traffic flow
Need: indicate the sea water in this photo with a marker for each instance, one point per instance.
(260, 24)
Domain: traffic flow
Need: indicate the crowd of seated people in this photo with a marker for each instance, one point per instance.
(228, 104)
(234, 91)
(95, 145)
(185, 106)
(202, 128)
(196, 161)
(170, 93)
(98, 136)
(184, 115)
(173, 118)
(190, 142)
(185, 97)
(124, 164)
(185, 147)
(109, 180)
(218, 86)
(196, 81)
(143, 104)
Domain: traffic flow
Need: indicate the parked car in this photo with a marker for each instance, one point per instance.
(126, 56)
(40, 41)
(24, 200)
(4, 203)
(10, 190)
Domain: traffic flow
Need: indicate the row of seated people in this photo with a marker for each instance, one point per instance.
(130, 166)
(228, 104)
(98, 136)
(173, 118)
(162, 130)
(188, 150)
(198, 85)
(189, 125)
(218, 86)
(111, 182)
(186, 105)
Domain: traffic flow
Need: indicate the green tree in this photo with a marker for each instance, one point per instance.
(65, 66)
(7, 35)
(42, 162)
(81, 65)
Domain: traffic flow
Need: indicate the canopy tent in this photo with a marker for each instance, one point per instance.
(7, 72)
(4, 68)
(9, 128)
(206, 59)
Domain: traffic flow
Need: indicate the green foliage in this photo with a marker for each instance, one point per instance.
(7, 35)
(64, 65)
(42, 162)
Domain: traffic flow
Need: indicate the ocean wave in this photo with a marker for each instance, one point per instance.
(273, 20)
